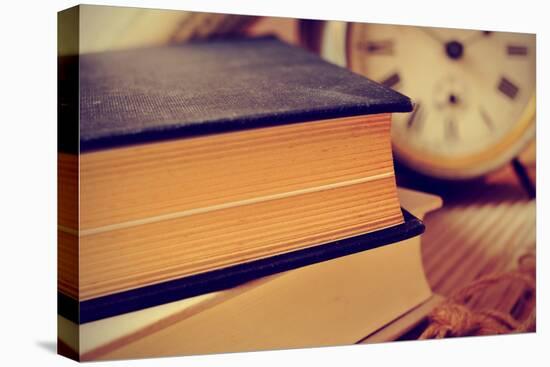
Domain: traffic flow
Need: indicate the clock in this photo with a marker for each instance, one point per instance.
(474, 91)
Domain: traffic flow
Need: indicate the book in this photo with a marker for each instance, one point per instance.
(328, 303)
(188, 169)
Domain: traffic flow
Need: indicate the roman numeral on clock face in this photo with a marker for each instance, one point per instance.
(384, 47)
(508, 88)
(391, 81)
(486, 118)
(414, 117)
(516, 50)
(451, 130)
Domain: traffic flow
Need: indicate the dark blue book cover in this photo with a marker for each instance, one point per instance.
(114, 99)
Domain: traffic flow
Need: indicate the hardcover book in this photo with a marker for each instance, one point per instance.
(346, 300)
(189, 169)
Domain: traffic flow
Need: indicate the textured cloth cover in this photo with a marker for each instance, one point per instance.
(150, 94)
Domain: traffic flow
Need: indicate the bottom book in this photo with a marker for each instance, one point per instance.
(338, 302)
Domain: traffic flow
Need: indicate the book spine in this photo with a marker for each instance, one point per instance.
(68, 36)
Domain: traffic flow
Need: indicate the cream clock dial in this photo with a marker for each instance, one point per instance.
(474, 92)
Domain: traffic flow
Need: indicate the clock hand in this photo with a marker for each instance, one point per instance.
(412, 116)
(430, 32)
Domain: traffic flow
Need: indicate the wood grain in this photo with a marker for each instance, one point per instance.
(482, 230)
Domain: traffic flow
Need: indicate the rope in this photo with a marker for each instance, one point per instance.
(454, 318)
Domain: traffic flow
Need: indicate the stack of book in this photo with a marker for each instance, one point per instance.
(230, 195)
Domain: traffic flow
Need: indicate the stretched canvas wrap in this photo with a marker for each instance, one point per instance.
(232, 183)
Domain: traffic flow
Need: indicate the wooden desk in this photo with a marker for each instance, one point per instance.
(480, 230)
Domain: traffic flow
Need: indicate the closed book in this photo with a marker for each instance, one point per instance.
(360, 298)
(188, 169)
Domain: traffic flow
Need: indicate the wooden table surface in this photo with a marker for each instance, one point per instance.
(481, 229)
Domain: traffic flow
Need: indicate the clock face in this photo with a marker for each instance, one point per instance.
(473, 92)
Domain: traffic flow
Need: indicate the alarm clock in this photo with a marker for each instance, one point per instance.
(473, 91)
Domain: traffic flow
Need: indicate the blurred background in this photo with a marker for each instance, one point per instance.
(470, 138)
